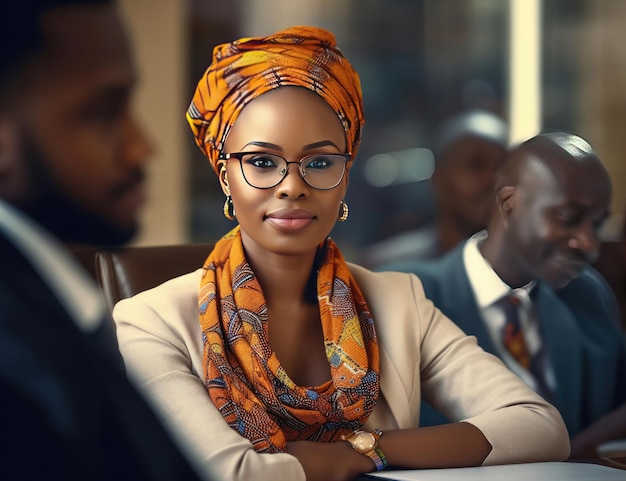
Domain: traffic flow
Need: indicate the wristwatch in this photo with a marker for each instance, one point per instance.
(365, 442)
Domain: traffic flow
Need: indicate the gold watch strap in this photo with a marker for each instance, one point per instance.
(375, 454)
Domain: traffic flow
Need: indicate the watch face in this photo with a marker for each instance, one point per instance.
(363, 442)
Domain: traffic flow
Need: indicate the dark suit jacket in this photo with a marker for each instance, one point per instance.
(579, 325)
(67, 409)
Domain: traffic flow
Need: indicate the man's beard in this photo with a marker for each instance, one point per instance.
(57, 212)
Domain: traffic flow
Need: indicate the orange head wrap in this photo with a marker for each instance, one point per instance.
(246, 68)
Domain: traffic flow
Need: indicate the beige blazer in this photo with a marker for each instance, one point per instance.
(423, 354)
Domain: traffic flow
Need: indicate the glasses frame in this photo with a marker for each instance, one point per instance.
(239, 156)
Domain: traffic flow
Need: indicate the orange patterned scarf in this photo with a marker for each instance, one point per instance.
(245, 379)
(246, 68)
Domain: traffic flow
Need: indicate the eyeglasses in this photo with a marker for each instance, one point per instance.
(264, 171)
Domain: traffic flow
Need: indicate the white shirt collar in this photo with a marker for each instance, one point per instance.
(68, 281)
(486, 284)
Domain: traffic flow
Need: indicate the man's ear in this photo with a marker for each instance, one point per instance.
(505, 200)
(10, 158)
(5, 147)
(223, 177)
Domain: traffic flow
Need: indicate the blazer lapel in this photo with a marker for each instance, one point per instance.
(564, 352)
(458, 302)
(403, 413)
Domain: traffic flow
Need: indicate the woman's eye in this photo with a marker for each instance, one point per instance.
(320, 162)
(262, 161)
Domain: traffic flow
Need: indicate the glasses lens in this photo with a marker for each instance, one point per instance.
(320, 171)
(323, 171)
(263, 170)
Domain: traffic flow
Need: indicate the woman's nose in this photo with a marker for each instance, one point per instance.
(293, 184)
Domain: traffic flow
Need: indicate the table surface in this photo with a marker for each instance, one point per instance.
(618, 462)
(598, 470)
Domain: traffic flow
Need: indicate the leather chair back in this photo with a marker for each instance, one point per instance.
(126, 271)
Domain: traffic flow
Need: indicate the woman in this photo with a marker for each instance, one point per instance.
(269, 358)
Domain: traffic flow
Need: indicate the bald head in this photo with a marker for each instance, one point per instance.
(545, 155)
(553, 194)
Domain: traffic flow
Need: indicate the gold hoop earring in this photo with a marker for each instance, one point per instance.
(229, 208)
(343, 212)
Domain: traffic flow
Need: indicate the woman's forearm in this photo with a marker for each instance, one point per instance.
(449, 445)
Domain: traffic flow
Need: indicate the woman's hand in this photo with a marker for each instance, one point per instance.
(335, 461)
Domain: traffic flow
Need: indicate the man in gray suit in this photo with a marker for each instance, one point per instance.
(552, 196)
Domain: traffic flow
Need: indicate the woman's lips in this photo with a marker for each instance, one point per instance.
(290, 219)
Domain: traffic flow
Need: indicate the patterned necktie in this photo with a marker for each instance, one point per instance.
(513, 341)
(512, 336)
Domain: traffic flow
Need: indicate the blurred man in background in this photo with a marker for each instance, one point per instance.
(468, 150)
(72, 164)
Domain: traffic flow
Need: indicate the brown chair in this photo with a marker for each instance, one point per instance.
(125, 271)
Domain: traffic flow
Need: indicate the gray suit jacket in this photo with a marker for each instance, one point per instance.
(579, 325)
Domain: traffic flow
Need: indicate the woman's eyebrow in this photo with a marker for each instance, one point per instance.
(314, 145)
(322, 143)
(267, 145)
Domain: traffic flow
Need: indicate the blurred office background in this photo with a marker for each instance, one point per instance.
(541, 64)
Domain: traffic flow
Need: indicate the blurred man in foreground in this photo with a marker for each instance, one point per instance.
(71, 171)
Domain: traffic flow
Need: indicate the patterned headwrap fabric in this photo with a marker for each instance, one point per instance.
(248, 67)
(243, 375)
